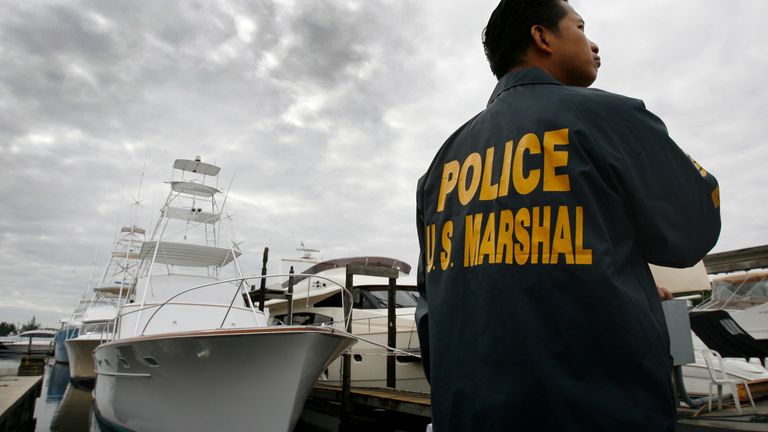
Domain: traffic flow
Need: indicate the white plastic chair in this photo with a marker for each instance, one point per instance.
(719, 377)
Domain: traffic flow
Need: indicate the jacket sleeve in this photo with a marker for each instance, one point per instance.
(673, 202)
(422, 310)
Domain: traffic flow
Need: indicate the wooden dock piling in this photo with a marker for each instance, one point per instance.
(32, 365)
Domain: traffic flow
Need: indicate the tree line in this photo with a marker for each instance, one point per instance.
(7, 328)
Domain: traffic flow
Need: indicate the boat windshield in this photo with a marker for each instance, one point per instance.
(98, 327)
(751, 290)
(378, 299)
(374, 298)
(302, 318)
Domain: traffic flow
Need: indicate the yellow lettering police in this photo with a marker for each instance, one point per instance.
(475, 173)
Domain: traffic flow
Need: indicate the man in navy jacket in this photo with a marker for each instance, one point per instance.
(537, 220)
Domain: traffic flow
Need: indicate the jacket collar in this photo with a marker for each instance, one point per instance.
(520, 78)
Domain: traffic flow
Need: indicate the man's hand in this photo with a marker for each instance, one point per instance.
(664, 293)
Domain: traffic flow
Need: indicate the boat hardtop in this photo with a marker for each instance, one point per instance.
(40, 333)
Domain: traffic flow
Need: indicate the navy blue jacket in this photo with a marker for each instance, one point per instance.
(536, 221)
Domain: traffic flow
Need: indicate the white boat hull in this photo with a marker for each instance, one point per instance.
(35, 348)
(754, 320)
(697, 381)
(369, 364)
(369, 360)
(82, 369)
(59, 350)
(696, 375)
(243, 379)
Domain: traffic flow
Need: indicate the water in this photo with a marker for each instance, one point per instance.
(61, 407)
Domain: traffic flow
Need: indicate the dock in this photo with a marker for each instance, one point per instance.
(401, 401)
(369, 408)
(392, 409)
(727, 419)
(17, 402)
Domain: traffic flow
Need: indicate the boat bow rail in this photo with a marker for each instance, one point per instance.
(242, 287)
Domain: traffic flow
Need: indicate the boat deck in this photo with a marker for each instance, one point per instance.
(418, 405)
(727, 419)
(401, 401)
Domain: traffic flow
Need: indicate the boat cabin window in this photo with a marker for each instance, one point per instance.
(373, 298)
(402, 298)
(332, 301)
(99, 327)
(38, 335)
(303, 318)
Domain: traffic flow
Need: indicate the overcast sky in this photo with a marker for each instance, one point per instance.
(323, 114)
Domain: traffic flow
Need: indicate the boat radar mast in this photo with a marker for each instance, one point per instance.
(306, 255)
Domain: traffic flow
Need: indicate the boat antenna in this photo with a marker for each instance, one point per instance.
(136, 204)
(90, 277)
(90, 283)
(226, 195)
(137, 200)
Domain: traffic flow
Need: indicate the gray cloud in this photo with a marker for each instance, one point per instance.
(325, 113)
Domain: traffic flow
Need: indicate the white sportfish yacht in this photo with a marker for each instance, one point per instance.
(69, 329)
(96, 322)
(724, 292)
(190, 352)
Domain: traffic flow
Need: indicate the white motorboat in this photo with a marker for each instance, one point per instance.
(70, 326)
(318, 302)
(6, 339)
(32, 341)
(724, 298)
(190, 352)
(68, 330)
(744, 295)
(97, 327)
(97, 320)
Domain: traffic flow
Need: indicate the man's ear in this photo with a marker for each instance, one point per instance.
(541, 38)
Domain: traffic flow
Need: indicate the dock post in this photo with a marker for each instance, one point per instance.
(263, 285)
(290, 297)
(346, 359)
(391, 333)
(32, 365)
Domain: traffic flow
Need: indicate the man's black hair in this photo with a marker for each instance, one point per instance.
(508, 33)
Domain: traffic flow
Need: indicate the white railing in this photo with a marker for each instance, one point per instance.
(241, 289)
(384, 322)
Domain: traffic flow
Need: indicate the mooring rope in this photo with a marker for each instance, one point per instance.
(385, 346)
